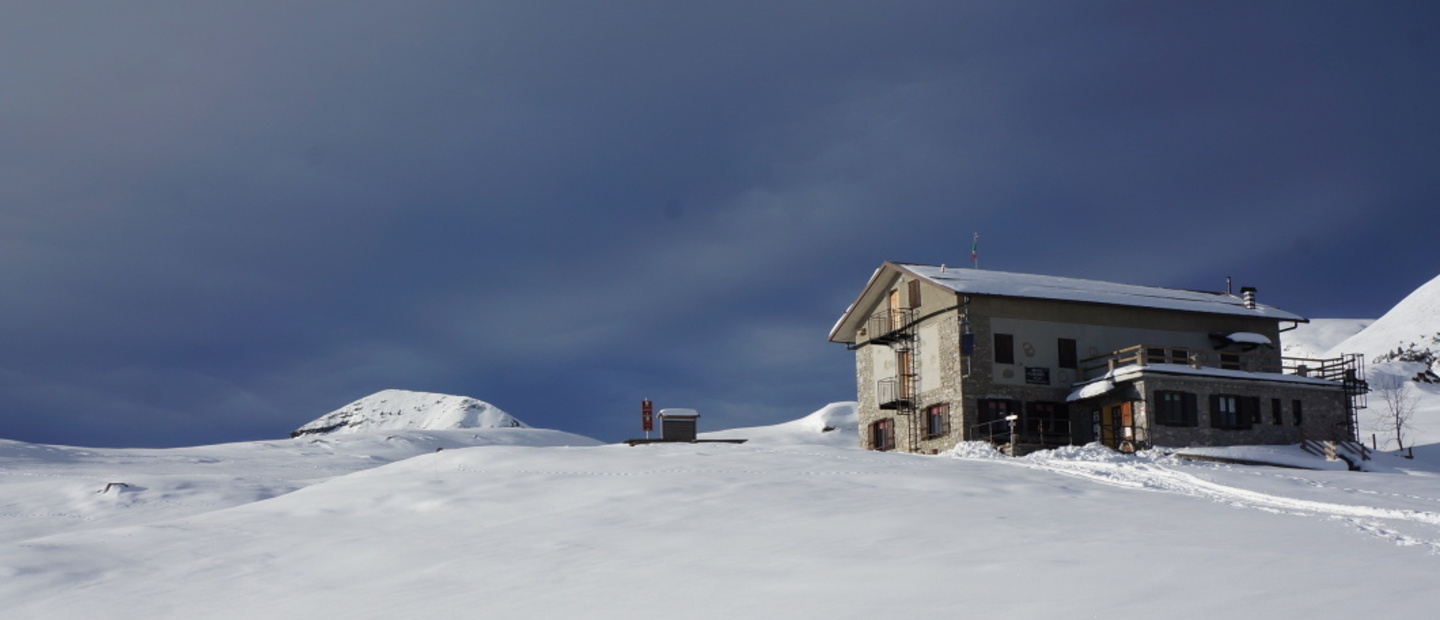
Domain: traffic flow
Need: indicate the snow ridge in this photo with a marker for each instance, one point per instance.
(1412, 321)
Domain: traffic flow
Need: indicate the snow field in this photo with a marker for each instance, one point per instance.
(759, 530)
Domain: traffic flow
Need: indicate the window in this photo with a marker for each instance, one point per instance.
(1230, 361)
(1297, 412)
(1004, 349)
(914, 293)
(1275, 417)
(937, 421)
(1068, 356)
(882, 434)
(1046, 417)
(996, 409)
(1233, 412)
(1224, 411)
(1175, 408)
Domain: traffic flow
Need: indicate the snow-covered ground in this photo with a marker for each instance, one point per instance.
(54, 489)
(791, 524)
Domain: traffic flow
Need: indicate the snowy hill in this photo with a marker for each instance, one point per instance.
(835, 424)
(47, 489)
(404, 410)
(702, 531)
(1413, 321)
(1402, 349)
(1315, 339)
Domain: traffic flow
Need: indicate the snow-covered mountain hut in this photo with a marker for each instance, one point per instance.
(948, 355)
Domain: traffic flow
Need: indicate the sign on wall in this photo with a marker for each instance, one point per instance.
(1037, 376)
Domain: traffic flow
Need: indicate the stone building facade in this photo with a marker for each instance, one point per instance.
(949, 355)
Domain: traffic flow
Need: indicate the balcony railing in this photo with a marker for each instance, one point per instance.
(890, 326)
(896, 393)
(1342, 369)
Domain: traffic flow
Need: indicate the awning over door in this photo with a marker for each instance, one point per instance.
(1090, 390)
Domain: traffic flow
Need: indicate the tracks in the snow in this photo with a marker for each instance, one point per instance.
(1423, 527)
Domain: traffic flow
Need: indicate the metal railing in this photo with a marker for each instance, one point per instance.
(887, 326)
(1334, 369)
(896, 392)
(1029, 430)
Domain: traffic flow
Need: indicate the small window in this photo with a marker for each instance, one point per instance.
(1175, 408)
(1296, 411)
(1004, 349)
(1229, 361)
(914, 293)
(882, 434)
(937, 421)
(1275, 417)
(1069, 358)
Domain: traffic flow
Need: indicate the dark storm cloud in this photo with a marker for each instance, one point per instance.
(221, 221)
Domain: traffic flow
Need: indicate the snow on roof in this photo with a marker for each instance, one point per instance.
(1248, 338)
(1091, 390)
(1132, 371)
(982, 282)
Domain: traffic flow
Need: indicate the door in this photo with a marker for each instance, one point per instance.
(907, 374)
(1117, 427)
(896, 318)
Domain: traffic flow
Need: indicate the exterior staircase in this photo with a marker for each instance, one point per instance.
(1352, 452)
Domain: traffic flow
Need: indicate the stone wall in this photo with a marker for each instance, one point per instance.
(1324, 408)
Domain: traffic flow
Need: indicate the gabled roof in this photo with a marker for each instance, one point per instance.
(1031, 286)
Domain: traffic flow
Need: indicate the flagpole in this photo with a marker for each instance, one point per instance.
(975, 251)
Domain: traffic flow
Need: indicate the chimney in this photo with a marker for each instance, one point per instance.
(1248, 294)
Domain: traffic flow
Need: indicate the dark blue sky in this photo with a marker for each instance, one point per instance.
(220, 222)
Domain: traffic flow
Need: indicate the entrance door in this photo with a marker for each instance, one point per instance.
(1117, 427)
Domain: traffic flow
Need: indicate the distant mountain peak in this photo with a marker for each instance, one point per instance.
(406, 410)
(1412, 323)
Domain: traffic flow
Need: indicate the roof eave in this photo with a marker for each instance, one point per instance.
(849, 322)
